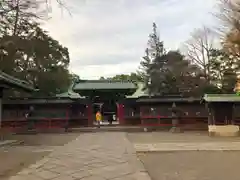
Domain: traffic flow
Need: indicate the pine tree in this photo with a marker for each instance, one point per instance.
(147, 69)
(167, 73)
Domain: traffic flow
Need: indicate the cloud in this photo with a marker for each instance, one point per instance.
(111, 34)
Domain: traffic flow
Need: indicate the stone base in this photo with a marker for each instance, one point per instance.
(176, 130)
(223, 130)
(149, 129)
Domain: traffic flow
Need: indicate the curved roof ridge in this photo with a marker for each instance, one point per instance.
(8, 79)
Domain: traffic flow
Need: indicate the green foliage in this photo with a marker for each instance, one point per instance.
(168, 72)
(173, 74)
(223, 70)
(126, 77)
(29, 53)
(153, 53)
(238, 93)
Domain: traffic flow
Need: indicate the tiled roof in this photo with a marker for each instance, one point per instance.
(12, 81)
(70, 94)
(47, 100)
(103, 85)
(221, 98)
(165, 99)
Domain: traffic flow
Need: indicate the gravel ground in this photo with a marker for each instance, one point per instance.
(194, 165)
(34, 148)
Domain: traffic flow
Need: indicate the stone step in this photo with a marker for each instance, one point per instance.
(108, 129)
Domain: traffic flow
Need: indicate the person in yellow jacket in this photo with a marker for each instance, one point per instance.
(98, 118)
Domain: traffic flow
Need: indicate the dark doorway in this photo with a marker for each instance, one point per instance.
(107, 106)
(223, 113)
(109, 110)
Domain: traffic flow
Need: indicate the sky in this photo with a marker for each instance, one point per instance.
(109, 37)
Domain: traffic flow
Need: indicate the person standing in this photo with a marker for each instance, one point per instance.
(110, 119)
(98, 118)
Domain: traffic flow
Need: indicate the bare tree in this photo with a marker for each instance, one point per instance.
(229, 15)
(7, 6)
(229, 29)
(198, 48)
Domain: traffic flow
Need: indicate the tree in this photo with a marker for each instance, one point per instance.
(124, 77)
(225, 65)
(179, 76)
(29, 53)
(144, 69)
(74, 77)
(224, 69)
(7, 6)
(154, 52)
(229, 15)
(198, 49)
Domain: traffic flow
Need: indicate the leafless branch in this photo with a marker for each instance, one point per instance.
(229, 17)
(199, 46)
(61, 3)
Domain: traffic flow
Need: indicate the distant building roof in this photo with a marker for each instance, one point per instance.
(70, 94)
(103, 85)
(46, 100)
(7, 81)
(168, 99)
(221, 98)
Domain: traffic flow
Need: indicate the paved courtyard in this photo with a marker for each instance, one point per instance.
(92, 156)
(200, 146)
(114, 156)
(188, 155)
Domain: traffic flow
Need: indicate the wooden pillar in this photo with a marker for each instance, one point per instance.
(210, 120)
(233, 114)
(120, 111)
(1, 94)
(140, 113)
(210, 114)
(67, 117)
(90, 114)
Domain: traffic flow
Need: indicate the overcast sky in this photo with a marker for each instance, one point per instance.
(108, 37)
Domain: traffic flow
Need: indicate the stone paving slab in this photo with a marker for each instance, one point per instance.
(7, 142)
(180, 146)
(36, 149)
(92, 156)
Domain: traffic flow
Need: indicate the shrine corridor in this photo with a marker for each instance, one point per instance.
(91, 156)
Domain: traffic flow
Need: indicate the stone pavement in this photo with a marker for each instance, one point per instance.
(92, 156)
(7, 142)
(191, 146)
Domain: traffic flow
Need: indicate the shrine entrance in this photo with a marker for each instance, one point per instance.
(106, 96)
(108, 109)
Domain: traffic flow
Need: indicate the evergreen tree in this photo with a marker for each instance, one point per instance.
(154, 51)
(170, 72)
(29, 53)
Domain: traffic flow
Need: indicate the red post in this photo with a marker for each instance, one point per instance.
(67, 117)
(90, 114)
(120, 110)
(141, 114)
